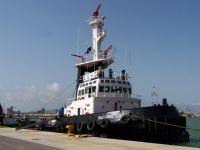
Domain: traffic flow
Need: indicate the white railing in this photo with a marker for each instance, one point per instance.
(119, 95)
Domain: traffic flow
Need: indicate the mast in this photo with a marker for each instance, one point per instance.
(100, 59)
(97, 23)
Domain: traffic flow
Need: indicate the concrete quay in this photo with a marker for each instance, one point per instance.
(68, 142)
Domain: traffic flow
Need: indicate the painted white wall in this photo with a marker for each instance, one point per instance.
(85, 105)
(100, 104)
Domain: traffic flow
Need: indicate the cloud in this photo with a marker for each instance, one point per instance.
(196, 104)
(32, 97)
(55, 87)
(21, 95)
(51, 91)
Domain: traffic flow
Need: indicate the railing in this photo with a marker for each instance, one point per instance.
(120, 95)
(89, 57)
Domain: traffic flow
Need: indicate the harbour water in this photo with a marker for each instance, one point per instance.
(193, 123)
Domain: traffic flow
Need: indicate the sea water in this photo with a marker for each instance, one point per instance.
(193, 123)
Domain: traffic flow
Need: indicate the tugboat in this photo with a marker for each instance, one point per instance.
(105, 105)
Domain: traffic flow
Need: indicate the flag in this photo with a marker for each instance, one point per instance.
(88, 50)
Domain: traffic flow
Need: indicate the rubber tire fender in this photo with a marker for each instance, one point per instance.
(41, 127)
(91, 125)
(104, 123)
(80, 127)
(125, 119)
(59, 128)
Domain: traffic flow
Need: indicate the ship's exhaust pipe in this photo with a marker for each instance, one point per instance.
(164, 101)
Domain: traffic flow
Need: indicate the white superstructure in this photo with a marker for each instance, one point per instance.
(95, 92)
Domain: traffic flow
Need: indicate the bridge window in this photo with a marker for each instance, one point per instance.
(101, 89)
(112, 81)
(79, 92)
(107, 81)
(86, 90)
(119, 90)
(107, 89)
(124, 90)
(94, 89)
(82, 92)
(113, 89)
(130, 91)
(119, 82)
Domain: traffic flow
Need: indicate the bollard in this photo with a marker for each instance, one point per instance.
(70, 129)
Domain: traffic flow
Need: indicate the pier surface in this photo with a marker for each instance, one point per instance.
(40, 140)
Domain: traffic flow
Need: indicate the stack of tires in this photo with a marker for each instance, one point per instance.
(92, 125)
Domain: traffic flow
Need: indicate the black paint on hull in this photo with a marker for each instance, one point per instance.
(161, 124)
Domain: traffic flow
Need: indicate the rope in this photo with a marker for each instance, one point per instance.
(25, 127)
(44, 106)
(167, 124)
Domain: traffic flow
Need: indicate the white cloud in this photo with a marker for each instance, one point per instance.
(51, 91)
(32, 97)
(55, 87)
(196, 104)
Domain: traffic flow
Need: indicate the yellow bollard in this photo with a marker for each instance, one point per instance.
(70, 129)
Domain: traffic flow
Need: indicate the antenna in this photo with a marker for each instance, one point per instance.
(155, 95)
(77, 42)
(130, 65)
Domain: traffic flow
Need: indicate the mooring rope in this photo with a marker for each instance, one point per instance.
(167, 124)
(25, 127)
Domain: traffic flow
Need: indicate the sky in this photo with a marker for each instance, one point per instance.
(156, 41)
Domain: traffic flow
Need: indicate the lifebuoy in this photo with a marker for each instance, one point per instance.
(104, 123)
(91, 125)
